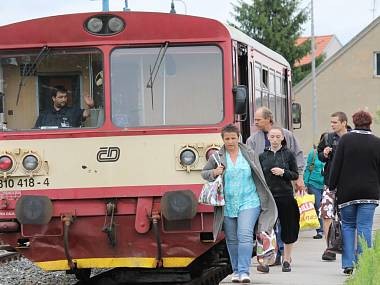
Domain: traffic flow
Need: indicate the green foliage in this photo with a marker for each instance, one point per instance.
(300, 72)
(367, 270)
(274, 23)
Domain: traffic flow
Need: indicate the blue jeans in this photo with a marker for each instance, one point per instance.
(356, 217)
(239, 237)
(318, 197)
(280, 243)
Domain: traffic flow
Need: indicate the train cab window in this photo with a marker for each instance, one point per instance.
(161, 86)
(29, 80)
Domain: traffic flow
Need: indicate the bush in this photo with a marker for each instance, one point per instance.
(367, 270)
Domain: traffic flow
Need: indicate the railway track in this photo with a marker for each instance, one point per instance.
(6, 254)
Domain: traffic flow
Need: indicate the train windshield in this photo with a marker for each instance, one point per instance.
(166, 86)
(29, 79)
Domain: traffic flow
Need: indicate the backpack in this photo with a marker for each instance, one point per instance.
(331, 141)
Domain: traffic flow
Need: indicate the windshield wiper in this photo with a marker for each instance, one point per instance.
(26, 72)
(156, 67)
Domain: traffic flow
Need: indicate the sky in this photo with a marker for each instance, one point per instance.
(343, 18)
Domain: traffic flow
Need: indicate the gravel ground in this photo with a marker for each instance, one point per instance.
(23, 272)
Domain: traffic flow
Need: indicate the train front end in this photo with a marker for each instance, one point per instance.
(121, 189)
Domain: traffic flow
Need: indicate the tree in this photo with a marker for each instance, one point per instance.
(300, 72)
(274, 23)
(377, 116)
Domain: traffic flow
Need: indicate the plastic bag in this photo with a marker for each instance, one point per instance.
(308, 215)
(266, 248)
(212, 193)
(334, 236)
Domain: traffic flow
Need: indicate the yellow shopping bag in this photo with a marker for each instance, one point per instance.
(308, 215)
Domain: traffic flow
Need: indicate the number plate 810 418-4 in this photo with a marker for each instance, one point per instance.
(17, 183)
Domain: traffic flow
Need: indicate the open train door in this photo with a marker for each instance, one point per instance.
(241, 75)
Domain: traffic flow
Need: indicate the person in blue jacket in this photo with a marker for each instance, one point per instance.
(314, 182)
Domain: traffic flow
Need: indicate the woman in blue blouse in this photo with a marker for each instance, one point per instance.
(248, 199)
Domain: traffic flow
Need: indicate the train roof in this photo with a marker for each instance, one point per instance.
(241, 37)
(141, 28)
(37, 32)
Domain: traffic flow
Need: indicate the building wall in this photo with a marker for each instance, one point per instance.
(345, 83)
(333, 46)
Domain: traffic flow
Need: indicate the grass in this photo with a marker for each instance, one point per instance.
(368, 268)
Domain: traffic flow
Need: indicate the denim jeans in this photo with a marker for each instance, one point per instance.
(280, 243)
(318, 197)
(356, 217)
(239, 237)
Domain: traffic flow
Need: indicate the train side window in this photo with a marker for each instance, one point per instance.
(258, 100)
(264, 78)
(257, 75)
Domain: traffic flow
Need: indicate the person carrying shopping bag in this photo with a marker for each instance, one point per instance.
(247, 199)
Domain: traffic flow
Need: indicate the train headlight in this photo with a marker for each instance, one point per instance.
(6, 163)
(30, 162)
(104, 24)
(115, 24)
(211, 151)
(187, 157)
(95, 25)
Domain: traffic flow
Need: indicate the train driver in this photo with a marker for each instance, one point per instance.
(62, 116)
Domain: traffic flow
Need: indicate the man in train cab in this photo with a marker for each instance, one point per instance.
(62, 116)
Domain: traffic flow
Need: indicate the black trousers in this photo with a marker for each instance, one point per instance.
(289, 217)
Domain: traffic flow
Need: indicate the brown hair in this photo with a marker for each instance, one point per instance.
(342, 117)
(58, 88)
(362, 119)
(277, 127)
(230, 128)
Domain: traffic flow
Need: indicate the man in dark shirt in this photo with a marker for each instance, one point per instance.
(62, 116)
(326, 150)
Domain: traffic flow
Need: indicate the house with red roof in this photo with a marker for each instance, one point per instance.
(347, 81)
(325, 45)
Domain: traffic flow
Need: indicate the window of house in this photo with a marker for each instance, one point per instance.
(377, 63)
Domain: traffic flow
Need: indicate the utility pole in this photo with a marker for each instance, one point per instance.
(314, 82)
(373, 9)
